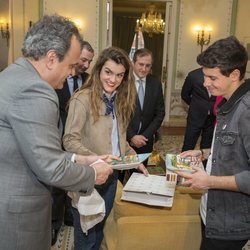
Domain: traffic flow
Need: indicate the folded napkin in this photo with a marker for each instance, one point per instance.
(91, 209)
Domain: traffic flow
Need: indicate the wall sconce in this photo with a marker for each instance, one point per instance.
(203, 36)
(5, 32)
(78, 23)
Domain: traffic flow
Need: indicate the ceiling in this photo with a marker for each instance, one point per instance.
(135, 6)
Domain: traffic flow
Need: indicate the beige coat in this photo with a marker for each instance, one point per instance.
(83, 136)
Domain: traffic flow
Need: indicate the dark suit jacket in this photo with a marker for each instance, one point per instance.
(151, 116)
(196, 96)
(64, 96)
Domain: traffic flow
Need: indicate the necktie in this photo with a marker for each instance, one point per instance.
(109, 104)
(75, 83)
(140, 92)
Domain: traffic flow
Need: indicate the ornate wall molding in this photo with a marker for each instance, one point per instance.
(204, 12)
(87, 11)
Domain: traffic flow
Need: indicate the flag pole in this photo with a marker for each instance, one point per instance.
(138, 43)
(136, 40)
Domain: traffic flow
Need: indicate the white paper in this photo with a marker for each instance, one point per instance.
(149, 199)
(151, 190)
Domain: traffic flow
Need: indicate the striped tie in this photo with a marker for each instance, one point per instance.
(109, 104)
(75, 83)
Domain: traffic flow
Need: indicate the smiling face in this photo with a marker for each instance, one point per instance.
(142, 66)
(59, 70)
(111, 76)
(85, 61)
(220, 85)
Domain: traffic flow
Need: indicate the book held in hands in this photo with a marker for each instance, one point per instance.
(129, 161)
(176, 163)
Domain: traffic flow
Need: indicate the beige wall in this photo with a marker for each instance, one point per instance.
(242, 27)
(84, 12)
(21, 13)
(89, 14)
(4, 17)
(227, 17)
(92, 23)
(242, 30)
(213, 13)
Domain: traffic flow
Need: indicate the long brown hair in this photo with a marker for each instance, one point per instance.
(126, 92)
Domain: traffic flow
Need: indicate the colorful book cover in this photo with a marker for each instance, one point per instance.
(176, 163)
(129, 161)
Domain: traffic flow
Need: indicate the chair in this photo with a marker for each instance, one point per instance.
(136, 226)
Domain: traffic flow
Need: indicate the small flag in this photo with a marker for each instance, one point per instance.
(138, 43)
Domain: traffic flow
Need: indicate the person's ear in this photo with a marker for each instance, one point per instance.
(235, 75)
(51, 59)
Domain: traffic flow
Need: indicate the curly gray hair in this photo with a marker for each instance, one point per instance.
(51, 32)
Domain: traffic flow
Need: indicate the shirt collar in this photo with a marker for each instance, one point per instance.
(225, 106)
(137, 78)
(71, 77)
(109, 96)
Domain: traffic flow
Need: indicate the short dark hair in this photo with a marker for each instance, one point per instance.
(86, 45)
(226, 54)
(141, 53)
(52, 32)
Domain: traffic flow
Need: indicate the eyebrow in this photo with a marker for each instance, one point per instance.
(74, 64)
(84, 58)
(113, 72)
(147, 64)
(210, 76)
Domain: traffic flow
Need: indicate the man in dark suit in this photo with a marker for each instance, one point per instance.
(150, 109)
(61, 208)
(200, 119)
(72, 83)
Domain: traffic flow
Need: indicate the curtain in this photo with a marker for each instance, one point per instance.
(123, 35)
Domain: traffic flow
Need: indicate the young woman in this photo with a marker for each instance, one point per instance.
(97, 121)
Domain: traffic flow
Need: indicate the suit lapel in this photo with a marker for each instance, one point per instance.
(206, 93)
(147, 94)
(66, 90)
